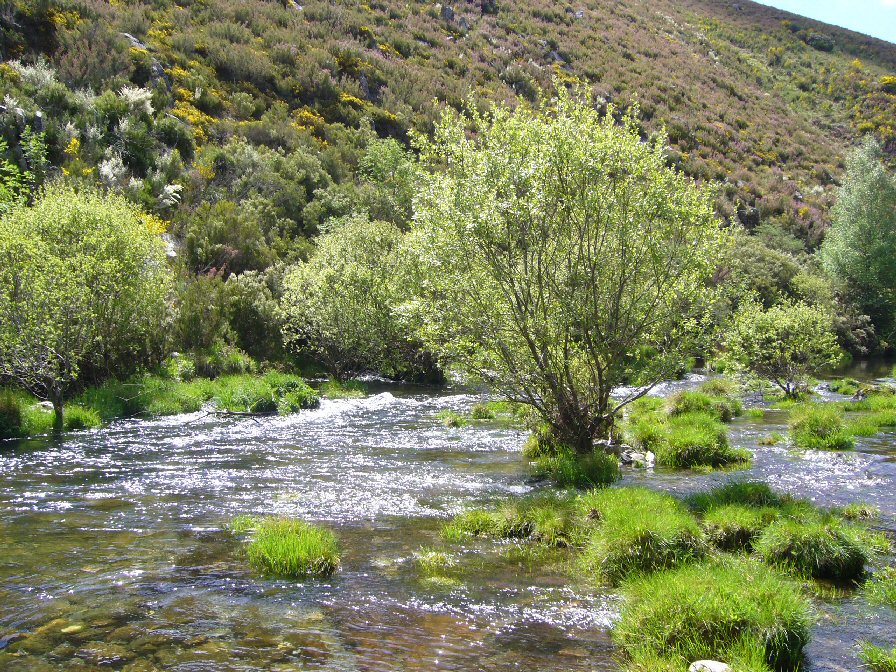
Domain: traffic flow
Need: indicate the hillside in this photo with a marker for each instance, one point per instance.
(762, 101)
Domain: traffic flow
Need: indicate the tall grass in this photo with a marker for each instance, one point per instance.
(736, 610)
(293, 548)
(820, 427)
(877, 658)
(639, 530)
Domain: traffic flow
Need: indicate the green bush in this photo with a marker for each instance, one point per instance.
(639, 530)
(878, 659)
(293, 548)
(819, 427)
(720, 387)
(718, 610)
(860, 511)
(453, 419)
(821, 548)
(697, 440)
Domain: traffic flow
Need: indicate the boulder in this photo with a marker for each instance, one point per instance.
(708, 666)
(447, 13)
(748, 216)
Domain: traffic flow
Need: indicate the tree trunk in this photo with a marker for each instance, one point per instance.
(56, 399)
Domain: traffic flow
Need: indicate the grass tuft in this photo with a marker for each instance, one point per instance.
(722, 408)
(639, 530)
(293, 548)
(821, 547)
(733, 527)
(698, 440)
(735, 609)
(882, 587)
(877, 658)
(819, 427)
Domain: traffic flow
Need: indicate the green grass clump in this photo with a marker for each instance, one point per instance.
(882, 587)
(432, 562)
(721, 387)
(820, 427)
(859, 511)
(820, 547)
(76, 417)
(698, 440)
(569, 470)
(245, 395)
(733, 527)
(547, 519)
(877, 658)
(845, 386)
(735, 610)
(747, 493)
(242, 523)
(772, 439)
(639, 530)
(348, 389)
(755, 413)
(293, 548)
(482, 412)
(452, 418)
(722, 408)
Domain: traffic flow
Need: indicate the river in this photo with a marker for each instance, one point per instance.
(116, 554)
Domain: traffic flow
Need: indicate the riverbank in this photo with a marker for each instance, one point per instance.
(151, 396)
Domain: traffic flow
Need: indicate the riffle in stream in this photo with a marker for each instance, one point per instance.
(116, 553)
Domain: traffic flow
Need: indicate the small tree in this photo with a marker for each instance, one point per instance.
(83, 282)
(784, 344)
(860, 248)
(337, 306)
(557, 258)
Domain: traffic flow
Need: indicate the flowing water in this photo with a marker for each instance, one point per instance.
(115, 551)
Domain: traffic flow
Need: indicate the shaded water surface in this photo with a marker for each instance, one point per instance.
(115, 553)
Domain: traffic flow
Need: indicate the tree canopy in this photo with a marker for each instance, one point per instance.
(83, 283)
(557, 258)
(784, 344)
(860, 248)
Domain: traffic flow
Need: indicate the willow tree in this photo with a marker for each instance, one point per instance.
(83, 282)
(860, 248)
(557, 258)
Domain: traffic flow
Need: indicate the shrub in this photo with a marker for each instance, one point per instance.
(293, 548)
(878, 659)
(639, 530)
(715, 610)
(697, 439)
(882, 588)
(735, 526)
(819, 427)
(823, 548)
